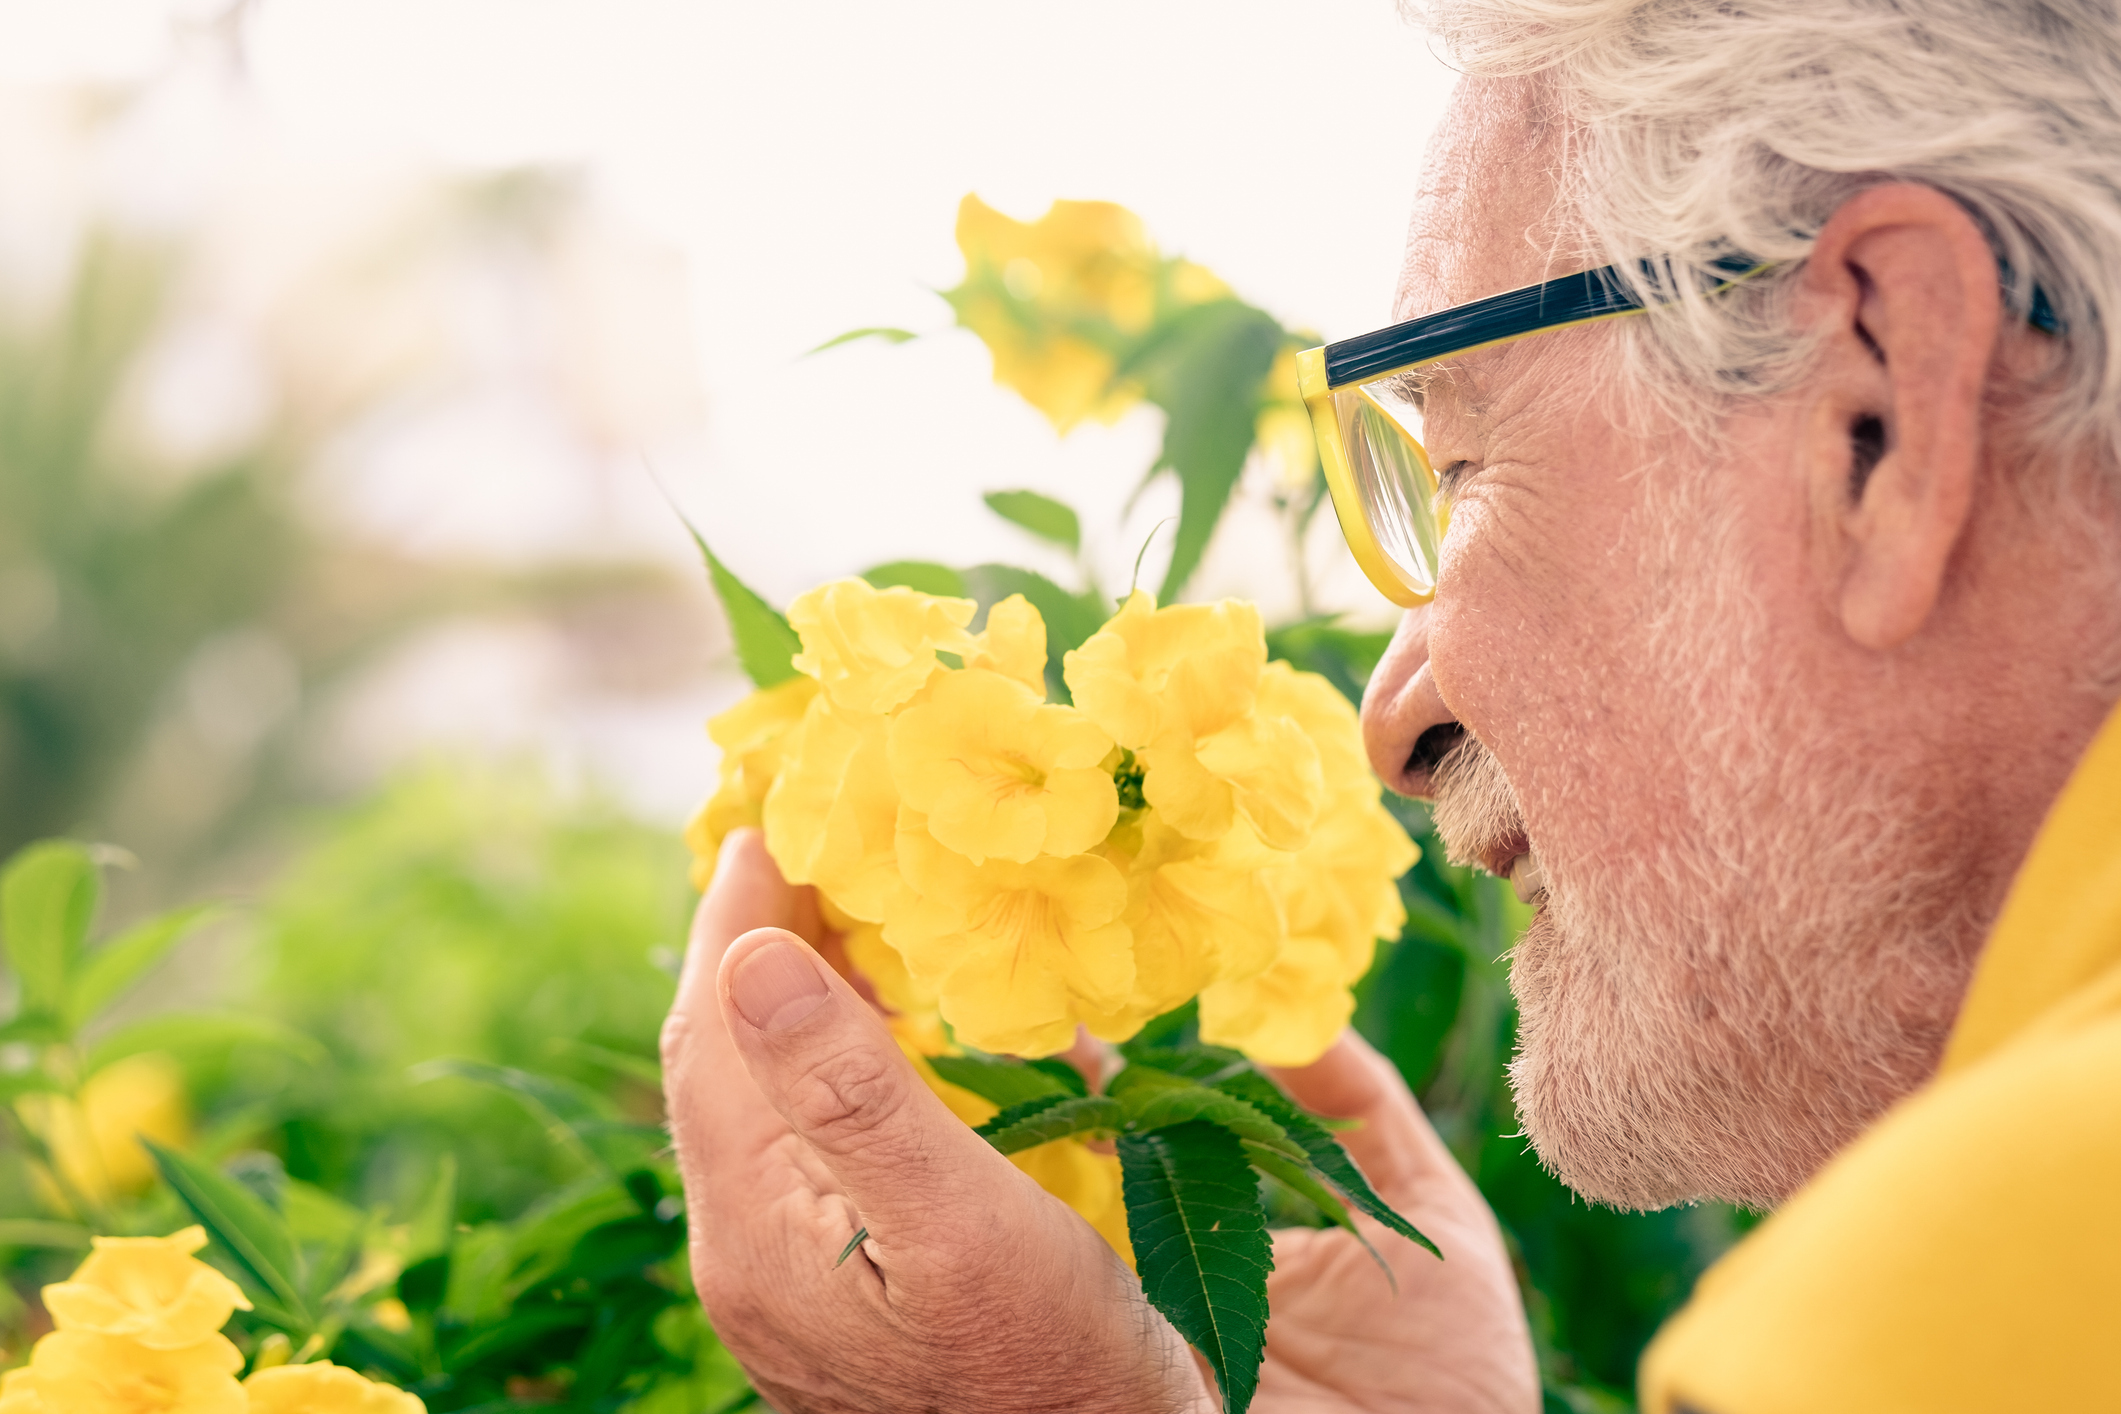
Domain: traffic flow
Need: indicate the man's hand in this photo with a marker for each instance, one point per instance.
(798, 1122)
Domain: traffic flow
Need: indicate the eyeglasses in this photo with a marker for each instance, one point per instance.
(1367, 423)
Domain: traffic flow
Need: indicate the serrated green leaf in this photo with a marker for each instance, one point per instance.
(1043, 516)
(250, 1232)
(116, 965)
(1324, 1151)
(922, 576)
(1005, 1082)
(1044, 1120)
(48, 897)
(1200, 1242)
(1160, 1107)
(765, 645)
(1299, 1179)
(884, 332)
(1205, 372)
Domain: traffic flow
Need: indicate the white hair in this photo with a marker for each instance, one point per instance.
(1703, 129)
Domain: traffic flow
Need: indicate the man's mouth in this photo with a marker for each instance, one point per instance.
(1527, 878)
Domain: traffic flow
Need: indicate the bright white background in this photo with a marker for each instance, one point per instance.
(805, 161)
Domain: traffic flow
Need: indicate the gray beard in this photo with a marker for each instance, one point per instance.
(1715, 1019)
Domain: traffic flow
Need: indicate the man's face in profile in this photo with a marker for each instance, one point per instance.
(1748, 943)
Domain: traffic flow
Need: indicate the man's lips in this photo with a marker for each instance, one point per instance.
(1515, 859)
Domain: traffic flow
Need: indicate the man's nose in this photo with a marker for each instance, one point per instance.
(1405, 725)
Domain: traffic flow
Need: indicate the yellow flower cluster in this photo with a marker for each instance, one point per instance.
(1052, 298)
(137, 1331)
(1200, 822)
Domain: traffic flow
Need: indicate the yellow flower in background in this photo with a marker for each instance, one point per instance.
(75, 1372)
(831, 815)
(1282, 430)
(1081, 1177)
(1049, 296)
(1013, 643)
(1179, 687)
(874, 648)
(148, 1289)
(753, 738)
(96, 1142)
(1015, 953)
(999, 773)
(324, 1388)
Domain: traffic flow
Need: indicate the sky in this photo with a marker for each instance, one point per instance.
(804, 163)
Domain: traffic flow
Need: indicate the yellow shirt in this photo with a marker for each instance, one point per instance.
(1965, 1253)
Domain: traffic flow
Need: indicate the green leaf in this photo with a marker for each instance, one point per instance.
(1024, 1127)
(110, 969)
(575, 1117)
(1043, 516)
(1161, 1107)
(194, 1033)
(1205, 372)
(1201, 1245)
(884, 332)
(921, 576)
(1299, 1179)
(248, 1230)
(33, 1232)
(1070, 618)
(1324, 1151)
(48, 897)
(765, 645)
(1006, 1082)
(434, 1219)
(1342, 656)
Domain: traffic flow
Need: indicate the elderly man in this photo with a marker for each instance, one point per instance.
(1772, 644)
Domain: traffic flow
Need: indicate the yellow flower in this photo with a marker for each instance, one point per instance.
(324, 1388)
(1016, 953)
(753, 737)
(96, 1142)
(1197, 912)
(1282, 431)
(831, 815)
(1179, 687)
(878, 961)
(1339, 894)
(1013, 643)
(149, 1289)
(1286, 1015)
(874, 648)
(1081, 1177)
(1050, 297)
(1001, 774)
(76, 1372)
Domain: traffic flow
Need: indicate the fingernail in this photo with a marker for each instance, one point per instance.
(776, 986)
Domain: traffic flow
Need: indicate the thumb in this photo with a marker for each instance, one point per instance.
(825, 1061)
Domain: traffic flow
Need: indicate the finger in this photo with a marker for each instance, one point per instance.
(1393, 1142)
(826, 1063)
(717, 1116)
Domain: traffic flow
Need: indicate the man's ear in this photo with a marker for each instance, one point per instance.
(1906, 297)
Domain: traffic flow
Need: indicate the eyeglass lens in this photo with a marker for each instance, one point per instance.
(1380, 429)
